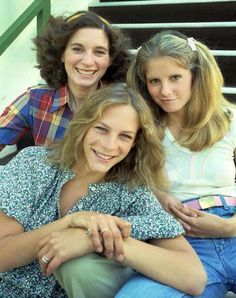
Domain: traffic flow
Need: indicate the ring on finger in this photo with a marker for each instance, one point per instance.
(45, 259)
(104, 230)
(89, 232)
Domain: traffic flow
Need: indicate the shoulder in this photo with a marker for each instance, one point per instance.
(31, 159)
(41, 90)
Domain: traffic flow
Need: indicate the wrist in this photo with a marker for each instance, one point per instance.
(231, 226)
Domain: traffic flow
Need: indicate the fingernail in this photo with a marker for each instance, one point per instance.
(99, 249)
(120, 258)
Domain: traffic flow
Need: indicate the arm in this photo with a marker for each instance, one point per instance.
(147, 217)
(169, 261)
(18, 248)
(14, 121)
(205, 225)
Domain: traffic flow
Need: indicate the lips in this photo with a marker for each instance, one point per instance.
(103, 156)
(86, 72)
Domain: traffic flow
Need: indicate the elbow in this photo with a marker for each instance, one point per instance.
(197, 285)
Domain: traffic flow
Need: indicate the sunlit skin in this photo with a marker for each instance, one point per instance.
(110, 139)
(169, 84)
(86, 59)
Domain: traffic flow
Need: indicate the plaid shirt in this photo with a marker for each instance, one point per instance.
(43, 110)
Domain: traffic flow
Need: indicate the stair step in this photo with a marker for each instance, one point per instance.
(166, 11)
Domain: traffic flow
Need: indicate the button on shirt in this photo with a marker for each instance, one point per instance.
(30, 192)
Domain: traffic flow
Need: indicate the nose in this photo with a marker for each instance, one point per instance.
(110, 143)
(165, 89)
(88, 58)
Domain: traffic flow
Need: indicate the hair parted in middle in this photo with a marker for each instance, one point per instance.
(206, 117)
(51, 44)
(144, 165)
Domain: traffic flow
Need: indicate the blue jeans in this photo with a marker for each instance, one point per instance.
(218, 257)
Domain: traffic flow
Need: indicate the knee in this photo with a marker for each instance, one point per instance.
(105, 276)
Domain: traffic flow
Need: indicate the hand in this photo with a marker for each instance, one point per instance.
(62, 246)
(167, 201)
(113, 229)
(201, 224)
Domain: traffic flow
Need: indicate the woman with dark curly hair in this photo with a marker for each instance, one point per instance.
(76, 56)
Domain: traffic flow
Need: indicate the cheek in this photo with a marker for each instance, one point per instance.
(152, 90)
(104, 62)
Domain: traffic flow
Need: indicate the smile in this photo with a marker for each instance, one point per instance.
(86, 72)
(103, 156)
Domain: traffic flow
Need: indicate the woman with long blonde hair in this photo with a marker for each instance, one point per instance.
(86, 202)
(180, 79)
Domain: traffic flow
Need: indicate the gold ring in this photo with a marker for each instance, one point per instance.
(104, 230)
(45, 259)
(89, 232)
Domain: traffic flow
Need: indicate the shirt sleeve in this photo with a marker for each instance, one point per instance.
(20, 184)
(149, 220)
(14, 121)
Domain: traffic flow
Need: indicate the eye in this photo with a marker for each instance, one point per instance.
(126, 136)
(153, 81)
(175, 77)
(100, 128)
(100, 53)
(77, 49)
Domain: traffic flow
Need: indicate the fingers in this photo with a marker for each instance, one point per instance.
(107, 234)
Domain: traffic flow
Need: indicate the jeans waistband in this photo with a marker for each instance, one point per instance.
(206, 202)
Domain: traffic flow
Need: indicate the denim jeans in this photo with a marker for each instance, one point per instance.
(218, 257)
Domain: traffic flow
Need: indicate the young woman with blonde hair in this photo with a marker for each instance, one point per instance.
(180, 79)
(80, 207)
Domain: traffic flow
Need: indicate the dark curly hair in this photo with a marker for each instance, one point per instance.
(51, 44)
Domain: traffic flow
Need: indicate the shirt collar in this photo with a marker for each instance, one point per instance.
(60, 98)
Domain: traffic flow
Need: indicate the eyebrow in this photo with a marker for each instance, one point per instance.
(124, 131)
(81, 45)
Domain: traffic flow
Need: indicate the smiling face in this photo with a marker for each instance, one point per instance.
(169, 84)
(110, 139)
(86, 58)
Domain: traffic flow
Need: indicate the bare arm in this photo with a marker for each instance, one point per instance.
(18, 248)
(169, 261)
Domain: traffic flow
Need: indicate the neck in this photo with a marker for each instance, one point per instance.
(175, 124)
(81, 93)
(86, 176)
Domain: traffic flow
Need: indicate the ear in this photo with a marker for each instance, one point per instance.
(63, 58)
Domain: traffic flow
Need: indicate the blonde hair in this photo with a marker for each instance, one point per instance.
(144, 165)
(207, 118)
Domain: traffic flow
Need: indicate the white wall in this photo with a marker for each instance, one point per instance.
(17, 70)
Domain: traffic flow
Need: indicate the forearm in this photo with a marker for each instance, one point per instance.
(230, 227)
(20, 249)
(166, 266)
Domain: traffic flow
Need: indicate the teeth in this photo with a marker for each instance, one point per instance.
(86, 72)
(103, 156)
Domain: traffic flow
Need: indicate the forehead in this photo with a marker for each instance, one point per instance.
(94, 36)
(123, 117)
(163, 65)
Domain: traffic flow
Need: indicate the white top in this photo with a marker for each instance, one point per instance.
(211, 171)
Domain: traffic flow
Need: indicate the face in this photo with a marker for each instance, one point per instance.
(111, 138)
(169, 84)
(86, 58)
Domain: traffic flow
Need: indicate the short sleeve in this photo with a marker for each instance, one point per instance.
(149, 220)
(20, 183)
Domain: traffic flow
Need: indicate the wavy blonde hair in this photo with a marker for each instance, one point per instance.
(207, 117)
(144, 165)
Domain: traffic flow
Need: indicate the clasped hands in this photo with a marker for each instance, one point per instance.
(87, 232)
(198, 223)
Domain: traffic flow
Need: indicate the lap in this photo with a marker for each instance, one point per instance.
(92, 276)
(139, 286)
